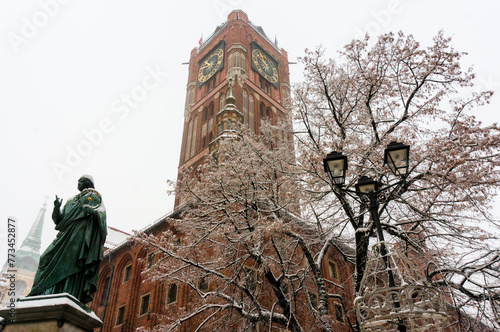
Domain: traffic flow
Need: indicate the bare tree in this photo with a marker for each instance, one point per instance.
(261, 217)
(245, 254)
(392, 89)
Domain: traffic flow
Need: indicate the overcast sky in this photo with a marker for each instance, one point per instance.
(98, 87)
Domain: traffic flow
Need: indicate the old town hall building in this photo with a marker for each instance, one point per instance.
(236, 76)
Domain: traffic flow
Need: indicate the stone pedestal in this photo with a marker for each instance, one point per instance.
(47, 313)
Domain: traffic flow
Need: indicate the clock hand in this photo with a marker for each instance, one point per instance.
(207, 64)
(263, 60)
(261, 57)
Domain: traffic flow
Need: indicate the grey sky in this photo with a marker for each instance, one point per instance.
(98, 87)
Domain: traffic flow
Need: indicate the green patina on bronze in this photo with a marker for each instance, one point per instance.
(71, 262)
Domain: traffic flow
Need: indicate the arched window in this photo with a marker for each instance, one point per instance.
(171, 293)
(230, 61)
(210, 110)
(104, 292)
(269, 115)
(144, 307)
(195, 126)
(188, 141)
(120, 313)
(127, 273)
(239, 62)
(204, 114)
(263, 84)
(245, 107)
(251, 113)
(236, 59)
(262, 113)
(210, 84)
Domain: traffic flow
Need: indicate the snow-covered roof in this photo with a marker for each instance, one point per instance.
(115, 237)
(119, 245)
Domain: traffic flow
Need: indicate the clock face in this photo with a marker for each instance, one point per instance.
(210, 65)
(264, 65)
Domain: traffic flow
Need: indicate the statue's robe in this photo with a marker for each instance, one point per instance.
(71, 262)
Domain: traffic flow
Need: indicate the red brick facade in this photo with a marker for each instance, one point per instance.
(127, 290)
(122, 297)
(255, 97)
(120, 286)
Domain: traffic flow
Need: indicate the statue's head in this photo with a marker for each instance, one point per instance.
(85, 181)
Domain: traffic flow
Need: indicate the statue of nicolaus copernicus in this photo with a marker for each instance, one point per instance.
(71, 262)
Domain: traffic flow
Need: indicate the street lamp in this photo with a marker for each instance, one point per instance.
(365, 186)
(396, 156)
(406, 307)
(335, 166)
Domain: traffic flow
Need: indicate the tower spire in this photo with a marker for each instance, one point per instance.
(33, 241)
(227, 119)
(26, 262)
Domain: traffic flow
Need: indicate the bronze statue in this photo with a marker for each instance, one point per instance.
(71, 262)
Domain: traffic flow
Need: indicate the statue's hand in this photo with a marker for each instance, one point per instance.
(58, 202)
(88, 210)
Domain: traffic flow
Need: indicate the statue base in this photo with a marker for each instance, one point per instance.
(47, 313)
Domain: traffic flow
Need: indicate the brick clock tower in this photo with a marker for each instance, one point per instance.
(237, 75)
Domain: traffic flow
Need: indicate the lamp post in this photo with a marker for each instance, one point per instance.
(396, 157)
(368, 187)
(411, 303)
